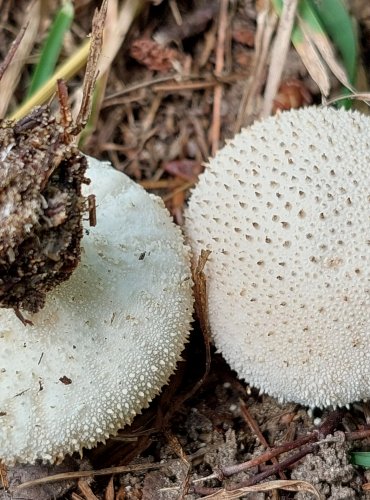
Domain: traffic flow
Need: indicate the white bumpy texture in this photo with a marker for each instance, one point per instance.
(107, 340)
(285, 209)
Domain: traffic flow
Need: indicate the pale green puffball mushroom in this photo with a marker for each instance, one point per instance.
(107, 339)
(284, 208)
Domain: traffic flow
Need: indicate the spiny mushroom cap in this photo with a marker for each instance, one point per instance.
(284, 207)
(107, 340)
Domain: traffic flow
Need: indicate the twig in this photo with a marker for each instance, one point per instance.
(314, 438)
(284, 464)
(161, 184)
(267, 456)
(137, 86)
(21, 318)
(178, 449)
(220, 54)
(255, 428)
(175, 87)
(67, 476)
(183, 83)
(354, 435)
(91, 72)
(12, 50)
(326, 428)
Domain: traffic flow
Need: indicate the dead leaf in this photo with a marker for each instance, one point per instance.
(109, 492)
(86, 490)
(153, 55)
(314, 65)
(186, 169)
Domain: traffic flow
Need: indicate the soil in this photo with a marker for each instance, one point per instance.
(156, 124)
(189, 440)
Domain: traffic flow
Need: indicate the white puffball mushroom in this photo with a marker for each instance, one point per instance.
(107, 339)
(284, 207)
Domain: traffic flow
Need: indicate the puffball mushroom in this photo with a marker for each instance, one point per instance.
(107, 339)
(284, 208)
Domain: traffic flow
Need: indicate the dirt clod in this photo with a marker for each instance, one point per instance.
(329, 471)
(41, 209)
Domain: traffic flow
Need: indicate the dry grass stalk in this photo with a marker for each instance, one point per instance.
(67, 476)
(220, 56)
(266, 22)
(288, 485)
(279, 54)
(24, 47)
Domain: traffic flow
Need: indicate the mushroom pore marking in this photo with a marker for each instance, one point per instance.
(284, 207)
(107, 339)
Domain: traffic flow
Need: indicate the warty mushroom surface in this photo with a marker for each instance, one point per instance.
(107, 339)
(284, 208)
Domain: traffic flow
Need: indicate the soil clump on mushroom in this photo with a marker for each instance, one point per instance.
(41, 209)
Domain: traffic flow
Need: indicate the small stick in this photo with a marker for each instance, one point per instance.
(67, 476)
(91, 72)
(178, 86)
(161, 184)
(360, 434)
(326, 428)
(217, 98)
(328, 425)
(284, 464)
(255, 428)
(13, 48)
(91, 201)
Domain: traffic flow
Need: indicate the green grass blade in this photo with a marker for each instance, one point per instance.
(361, 458)
(314, 30)
(52, 47)
(337, 22)
(321, 23)
(342, 30)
